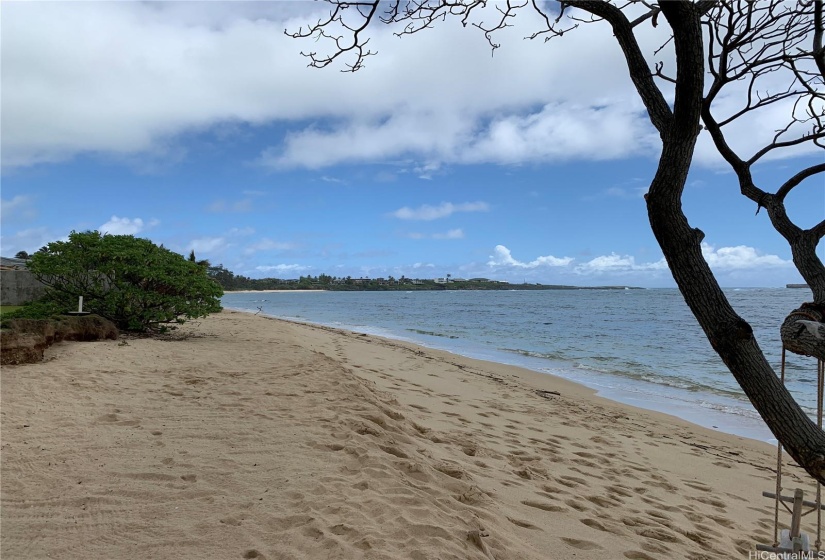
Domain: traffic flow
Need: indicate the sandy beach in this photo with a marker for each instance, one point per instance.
(247, 437)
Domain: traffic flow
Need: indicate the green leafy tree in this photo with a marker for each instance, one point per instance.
(21, 255)
(126, 279)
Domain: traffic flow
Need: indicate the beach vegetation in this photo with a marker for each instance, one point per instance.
(721, 66)
(134, 283)
(44, 308)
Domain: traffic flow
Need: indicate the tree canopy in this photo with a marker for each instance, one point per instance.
(129, 280)
(725, 64)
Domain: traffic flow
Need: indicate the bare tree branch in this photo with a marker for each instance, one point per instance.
(786, 187)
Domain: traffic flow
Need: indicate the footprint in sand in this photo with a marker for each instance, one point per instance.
(637, 555)
(596, 524)
(577, 505)
(543, 506)
(521, 523)
(658, 534)
(605, 502)
(581, 544)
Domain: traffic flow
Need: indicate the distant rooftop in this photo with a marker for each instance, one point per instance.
(9, 263)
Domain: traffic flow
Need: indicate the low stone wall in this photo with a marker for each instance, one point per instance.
(18, 287)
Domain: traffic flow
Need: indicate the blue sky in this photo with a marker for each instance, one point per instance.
(199, 126)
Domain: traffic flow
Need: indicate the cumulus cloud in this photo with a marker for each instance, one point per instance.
(125, 226)
(443, 210)
(722, 259)
(741, 257)
(501, 257)
(618, 264)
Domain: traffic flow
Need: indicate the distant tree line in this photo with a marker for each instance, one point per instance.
(231, 281)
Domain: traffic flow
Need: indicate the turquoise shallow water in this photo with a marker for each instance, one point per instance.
(642, 347)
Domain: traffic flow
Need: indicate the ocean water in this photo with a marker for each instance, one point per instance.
(640, 347)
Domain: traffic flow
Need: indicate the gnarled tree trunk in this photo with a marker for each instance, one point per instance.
(730, 335)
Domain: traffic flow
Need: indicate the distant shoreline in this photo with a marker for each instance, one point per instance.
(268, 291)
(459, 287)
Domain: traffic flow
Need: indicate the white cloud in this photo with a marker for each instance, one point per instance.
(450, 234)
(244, 231)
(741, 257)
(557, 132)
(17, 209)
(618, 264)
(282, 268)
(29, 240)
(267, 244)
(209, 245)
(733, 266)
(126, 78)
(328, 179)
(443, 210)
(501, 257)
(125, 226)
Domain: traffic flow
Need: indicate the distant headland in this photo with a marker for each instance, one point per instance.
(232, 282)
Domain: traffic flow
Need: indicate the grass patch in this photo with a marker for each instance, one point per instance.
(9, 308)
(40, 309)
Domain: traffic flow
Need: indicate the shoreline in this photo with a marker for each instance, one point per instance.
(696, 414)
(248, 436)
(271, 291)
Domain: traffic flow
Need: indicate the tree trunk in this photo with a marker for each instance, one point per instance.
(803, 331)
(730, 335)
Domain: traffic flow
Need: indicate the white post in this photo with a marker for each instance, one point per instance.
(80, 304)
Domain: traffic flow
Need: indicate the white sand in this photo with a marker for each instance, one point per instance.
(258, 438)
